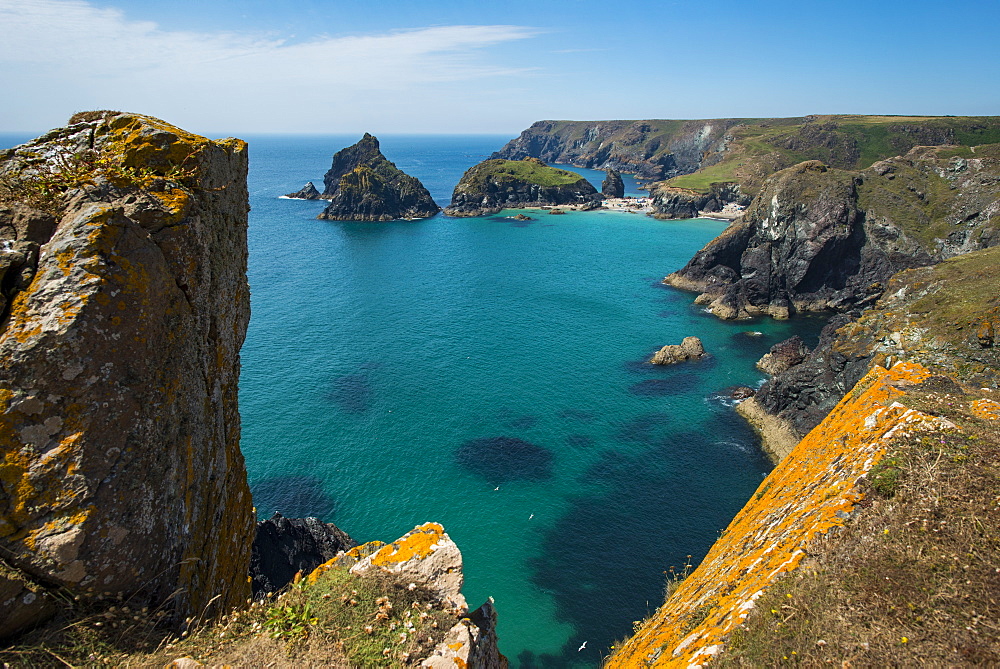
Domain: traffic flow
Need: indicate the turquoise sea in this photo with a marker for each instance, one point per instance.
(489, 374)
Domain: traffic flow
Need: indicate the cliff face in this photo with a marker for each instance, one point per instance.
(363, 186)
(125, 253)
(945, 317)
(818, 239)
(654, 149)
(823, 485)
(495, 184)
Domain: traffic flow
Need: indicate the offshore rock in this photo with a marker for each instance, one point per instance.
(613, 185)
(783, 355)
(362, 185)
(284, 547)
(493, 185)
(307, 192)
(690, 348)
(119, 365)
(819, 239)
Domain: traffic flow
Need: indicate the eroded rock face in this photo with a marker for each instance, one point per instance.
(283, 547)
(119, 363)
(690, 348)
(613, 186)
(783, 355)
(362, 185)
(493, 185)
(307, 192)
(818, 239)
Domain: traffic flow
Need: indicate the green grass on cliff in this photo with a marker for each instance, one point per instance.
(526, 171)
(913, 579)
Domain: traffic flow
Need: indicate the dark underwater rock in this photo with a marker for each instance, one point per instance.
(502, 459)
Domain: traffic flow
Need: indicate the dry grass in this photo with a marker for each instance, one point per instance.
(340, 620)
(914, 580)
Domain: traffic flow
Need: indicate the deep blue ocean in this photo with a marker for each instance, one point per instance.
(489, 374)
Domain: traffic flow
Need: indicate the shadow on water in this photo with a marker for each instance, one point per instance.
(352, 393)
(294, 496)
(499, 460)
(609, 552)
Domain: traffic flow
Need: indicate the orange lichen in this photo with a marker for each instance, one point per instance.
(417, 544)
(986, 409)
(811, 491)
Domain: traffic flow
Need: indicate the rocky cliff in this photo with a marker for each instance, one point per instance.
(945, 317)
(843, 554)
(613, 186)
(496, 184)
(126, 303)
(818, 239)
(362, 185)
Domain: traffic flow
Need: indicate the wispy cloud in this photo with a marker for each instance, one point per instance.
(75, 48)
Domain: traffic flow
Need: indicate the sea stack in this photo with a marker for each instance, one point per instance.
(362, 185)
(307, 192)
(613, 185)
(498, 184)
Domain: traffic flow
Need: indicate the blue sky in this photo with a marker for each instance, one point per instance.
(399, 66)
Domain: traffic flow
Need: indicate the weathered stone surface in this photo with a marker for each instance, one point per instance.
(783, 355)
(818, 239)
(119, 365)
(472, 642)
(690, 348)
(307, 192)
(284, 547)
(363, 186)
(931, 315)
(613, 185)
(493, 185)
(427, 555)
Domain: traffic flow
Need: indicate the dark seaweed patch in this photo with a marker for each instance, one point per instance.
(674, 385)
(577, 414)
(502, 459)
(579, 440)
(293, 496)
(650, 428)
(352, 393)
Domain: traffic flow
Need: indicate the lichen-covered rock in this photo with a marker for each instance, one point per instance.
(426, 554)
(119, 364)
(690, 348)
(472, 642)
(812, 491)
(497, 184)
(307, 192)
(284, 547)
(362, 185)
(783, 355)
(818, 239)
(613, 186)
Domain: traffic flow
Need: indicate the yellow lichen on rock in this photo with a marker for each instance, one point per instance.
(810, 492)
(417, 544)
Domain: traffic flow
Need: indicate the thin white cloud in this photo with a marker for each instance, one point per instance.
(73, 49)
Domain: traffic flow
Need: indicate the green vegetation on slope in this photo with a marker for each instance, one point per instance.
(527, 171)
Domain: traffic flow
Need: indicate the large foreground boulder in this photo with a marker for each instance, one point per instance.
(124, 312)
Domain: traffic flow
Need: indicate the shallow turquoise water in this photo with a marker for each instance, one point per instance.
(386, 363)
(378, 354)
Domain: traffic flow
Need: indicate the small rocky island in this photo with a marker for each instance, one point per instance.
(613, 186)
(362, 185)
(307, 192)
(498, 184)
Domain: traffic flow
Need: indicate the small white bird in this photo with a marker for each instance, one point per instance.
(497, 488)
(531, 516)
(582, 646)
